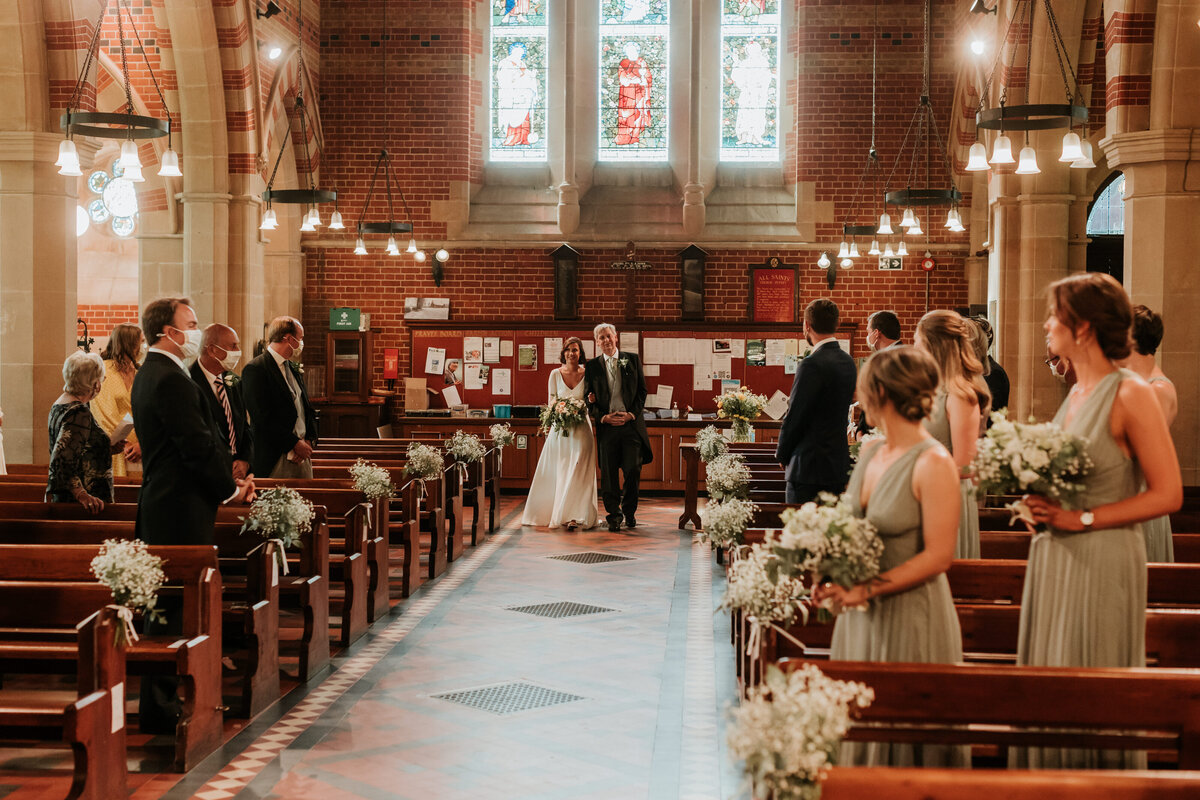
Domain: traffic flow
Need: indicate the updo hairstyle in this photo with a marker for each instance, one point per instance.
(947, 337)
(905, 376)
(1097, 299)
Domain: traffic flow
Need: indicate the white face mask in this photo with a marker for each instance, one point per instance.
(143, 349)
(231, 359)
(298, 348)
(190, 347)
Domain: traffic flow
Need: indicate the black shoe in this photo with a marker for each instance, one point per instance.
(613, 527)
(630, 522)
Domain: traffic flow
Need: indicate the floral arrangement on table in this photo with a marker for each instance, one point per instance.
(465, 447)
(711, 443)
(724, 523)
(826, 541)
(372, 480)
(743, 407)
(1036, 458)
(563, 413)
(727, 477)
(502, 435)
(281, 514)
(788, 730)
(759, 588)
(424, 462)
(134, 576)
(856, 447)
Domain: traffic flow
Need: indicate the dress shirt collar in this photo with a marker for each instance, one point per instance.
(171, 356)
(210, 378)
(278, 358)
(831, 340)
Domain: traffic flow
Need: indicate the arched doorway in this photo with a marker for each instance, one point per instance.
(1106, 228)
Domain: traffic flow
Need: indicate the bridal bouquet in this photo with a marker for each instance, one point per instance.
(465, 447)
(424, 462)
(743, 407)
(280, 513)
(788, 730)
(727, 477)
(711, 443)
(133, 576)
(372, 480)
(725, 522)
(759, 588)
(502, 435)
(1036, 458)
(564, 413)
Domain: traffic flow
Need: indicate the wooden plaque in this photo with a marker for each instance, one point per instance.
(773, 292)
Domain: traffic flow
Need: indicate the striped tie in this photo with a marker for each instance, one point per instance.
(220, 386)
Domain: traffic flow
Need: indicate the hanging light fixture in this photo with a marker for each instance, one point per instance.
(312, 196)
(1032, 116)
(902, 249)
(1086, 161)
(124, 125)
(823, 262)
(922, 186)
(874, 251)
(887, 250)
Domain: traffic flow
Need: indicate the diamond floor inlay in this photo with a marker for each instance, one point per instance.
(561, 609)
(509, 698)
(590, 558)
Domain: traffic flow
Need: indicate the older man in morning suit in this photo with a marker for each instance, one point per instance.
(220, 351)
(282, 421)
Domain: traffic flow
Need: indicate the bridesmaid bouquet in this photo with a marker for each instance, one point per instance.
(743, 407)
(759, 588)
(565, 413)
(1034, 458)
(787, 731)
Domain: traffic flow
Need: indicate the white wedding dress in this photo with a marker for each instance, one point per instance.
(564, 486)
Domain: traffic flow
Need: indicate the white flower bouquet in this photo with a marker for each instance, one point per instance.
(563, 413)
(725, 522)
(279, 513)
(868, 437)
(372, 480)
(133, 576)
(759, 588)
(727, 477)
(743, 407)
(424, 462)
(502, 435)
(711, 443)
(465, 447)
(788, 730)
(1035, 458)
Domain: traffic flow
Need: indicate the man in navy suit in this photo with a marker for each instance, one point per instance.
(220, 352)
(812, 442)
(282, 421)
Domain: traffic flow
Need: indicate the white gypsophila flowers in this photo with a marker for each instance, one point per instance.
(280, 513)
(130, 571)
(465, 447)
(711, 443)
(1038, 458)
(372, 480)
(759, 588)
(724, 522)
(826, 540)
(424, 462)
(788, 730)
(502, 435)
(727, 477)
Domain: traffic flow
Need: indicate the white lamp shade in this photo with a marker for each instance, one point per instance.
(843, 250)
(134, 174)
(1071, 150)
(392, 248)
(902, 249)
(170, 165)
(887, 250)
(66, 152)
(823, 261)
(70, 164)
(306, 223)
(1028, 165)
(847, 263)
(442, 255)
(977, 161)
(854, 250)
(269, 221)
(335, 222)
(419, 256)
(1085, 161)
(958, 227)
(885, 225)
(909, 219)
(949, 219)
(315, 216)
(360, 247)
(129, 155)
(915, 230)
(874, 251)
(412, 245)
(1002, 151)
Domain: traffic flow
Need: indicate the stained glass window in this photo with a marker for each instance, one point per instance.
(518, 80)
(749, 80)
(634, 79)
(117, 201)
(1107, 217)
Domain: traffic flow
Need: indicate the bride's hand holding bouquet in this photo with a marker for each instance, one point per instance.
(563, 413)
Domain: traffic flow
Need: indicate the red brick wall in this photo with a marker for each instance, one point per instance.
(101, 319)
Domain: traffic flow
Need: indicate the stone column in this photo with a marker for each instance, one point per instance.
(206, 253)
(37, 287)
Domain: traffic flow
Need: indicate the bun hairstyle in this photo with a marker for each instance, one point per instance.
(904, 377)
(1147, 330)
(1097, 299)
(946, 336)
(562, 355)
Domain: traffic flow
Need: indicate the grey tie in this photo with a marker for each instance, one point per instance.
(615, 401)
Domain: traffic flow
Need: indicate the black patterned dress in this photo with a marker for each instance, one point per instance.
(80, 455)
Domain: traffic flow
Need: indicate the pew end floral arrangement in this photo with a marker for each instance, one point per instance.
(133, 575)
(372, 480)
(282, 514)
(465, 447)
(743, 407)
(424, 462)
(725, 522)
(727, 477)
(563, 413)
(711, 443)
(502, 435)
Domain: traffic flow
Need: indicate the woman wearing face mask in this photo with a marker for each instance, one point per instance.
(126, 349)
(80, 450)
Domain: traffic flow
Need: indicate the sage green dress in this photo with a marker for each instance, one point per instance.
(938, 425)
(1084, 602)
(916, 625)
(1159, 546)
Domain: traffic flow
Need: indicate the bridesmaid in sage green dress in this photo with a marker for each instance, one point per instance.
(907, 486)
(1084, 602)
(959, 410)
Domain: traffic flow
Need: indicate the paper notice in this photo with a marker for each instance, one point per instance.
(664, 395)
(491, 349)
(791, 347)
(776, 349)
(435, 360)
(756, 353)
(730, 385)
(845, 345)
(629, 342)
(651, 370)
(473, 380)
(473, 349)
(790, 364)
(123, 429)
(687, 350)
(589, 349)
(701, 381)
(551, 349)
(502, 381)
(653, 350)
(737, 348)
(527, 358)
(777, 406)
(452, 397)
(722, 366)
(702, 354)
(506, 348)
(651, 401)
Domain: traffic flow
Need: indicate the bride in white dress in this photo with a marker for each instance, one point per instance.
(563, 492)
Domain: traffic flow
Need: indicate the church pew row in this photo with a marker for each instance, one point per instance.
(65, 588)
(928, 783)
(1008, 706)
(89, 721)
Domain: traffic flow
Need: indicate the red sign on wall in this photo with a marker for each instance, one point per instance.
(773, 294)
(391, 363)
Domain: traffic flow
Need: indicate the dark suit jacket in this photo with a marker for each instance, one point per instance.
(997, 383)
(241, 425)
(633, 391)
(812, 442)
(186, 468)
(272, 412)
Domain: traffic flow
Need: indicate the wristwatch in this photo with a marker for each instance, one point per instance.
(1087, 519)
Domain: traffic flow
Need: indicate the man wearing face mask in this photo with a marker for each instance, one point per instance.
(282, 421)
(220, 352)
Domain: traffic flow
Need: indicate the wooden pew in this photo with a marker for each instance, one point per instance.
(1156, 709)
(92, 723)
(194, 656)
(927, 783)
(1001, 581)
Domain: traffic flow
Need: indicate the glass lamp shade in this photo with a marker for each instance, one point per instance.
(909, 219)
(306, 225)
(902, 249)
(134, 175)
(958, 227)
(854, 250)
(977, 162)
(392, 248)
(1085, 161)
(1002, 151)
(315, 216)
(129, 155)
(1028, 165)
(949, 219)
(335, 222)
(269, 221)
(412, 245)
(847, 263)
(442, 255)
(885, 225)
(823, 261)
(887, 250)
(874, 251)
(170, 165)
(843, 250)
(419, 256)
(1071, 150)
(915, 230)
(360, 247)
(68, 159)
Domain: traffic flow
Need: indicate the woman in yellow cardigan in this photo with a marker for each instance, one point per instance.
(126, 348)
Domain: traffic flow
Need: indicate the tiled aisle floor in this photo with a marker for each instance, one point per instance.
(632, 689)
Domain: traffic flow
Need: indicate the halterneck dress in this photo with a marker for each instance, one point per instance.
(1157, 531)
(916, 625)
(938, 425)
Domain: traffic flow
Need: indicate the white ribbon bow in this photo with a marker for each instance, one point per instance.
(125, 614)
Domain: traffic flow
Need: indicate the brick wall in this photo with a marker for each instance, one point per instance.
(100, 319)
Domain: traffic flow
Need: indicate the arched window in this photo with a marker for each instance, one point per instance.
(749, 80)
(635, 70)
(1107, 214)
(518, 80)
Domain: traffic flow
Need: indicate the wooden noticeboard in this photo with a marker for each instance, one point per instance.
(773, 292)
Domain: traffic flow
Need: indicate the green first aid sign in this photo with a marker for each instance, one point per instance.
(343, 319)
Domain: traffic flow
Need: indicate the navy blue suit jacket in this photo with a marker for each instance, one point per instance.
(812, 442)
